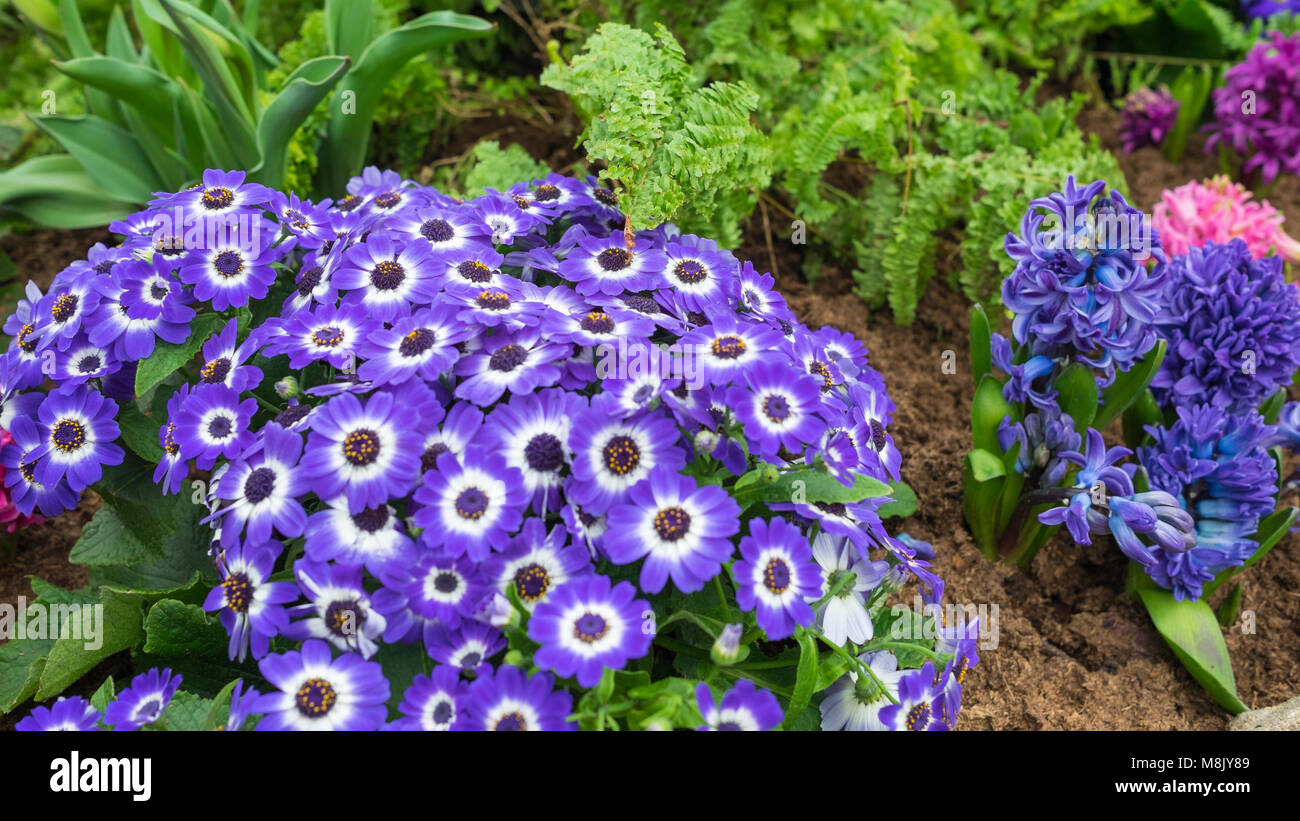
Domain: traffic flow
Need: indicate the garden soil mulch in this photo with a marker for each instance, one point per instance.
(1073, 652)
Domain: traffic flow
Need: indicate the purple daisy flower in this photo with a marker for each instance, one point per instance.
(776, 576)
(536, 563)
(381, 190)
(25, 490)
(744, 707)
(234, 269)
(224, 358)
(213, 422)
(467, 648)
(472, 269)
(510, 303)
(222, 192)
(307, 221)
(23, 367)
(144, 701)
(612, 455)
(374, 537)
(470, 505)
(780, 409)
(606, 265)
(446, 230)
(683, 531)
(517, 362)
(438, 587)
(329, 333)
(434, 702)
(78, 432)
(586, 626)
(531, 432)
(556, 193)
(317, 692)
(730, 347)
(364, 452)
(387, 277)
(459, 431)
(758, 295)
(69, 714)
(150, 290)
(423, 343)
(338, 609)
(505, 219)
(61, 312)
(172, 468)
(509, 700)
(263, 489)
(920, 704)
(249, 603)
(80, 362)
(130, 339)
(698, 272)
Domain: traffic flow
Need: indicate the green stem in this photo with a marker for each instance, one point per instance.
(855, 662)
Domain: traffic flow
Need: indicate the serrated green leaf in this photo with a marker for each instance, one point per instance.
(105, 694)
(71, 658)
(903, 504)
(186, 713)
(107, 540)
(1193, 633)
(139, 432)
(174, 628)
(168, 357)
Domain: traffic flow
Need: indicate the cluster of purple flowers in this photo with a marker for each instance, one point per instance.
(469, 418)
(1263, 9)
(1257, 109)
(1081, 290)
(1147, 118)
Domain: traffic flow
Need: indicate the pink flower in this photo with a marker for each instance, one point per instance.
(1219, 210)
(10, 518)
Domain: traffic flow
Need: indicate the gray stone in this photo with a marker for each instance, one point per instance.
(1284, 716)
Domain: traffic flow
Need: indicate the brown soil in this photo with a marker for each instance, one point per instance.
(1074, 652)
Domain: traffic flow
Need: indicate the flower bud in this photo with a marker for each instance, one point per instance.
(286, 388)
(726, 649)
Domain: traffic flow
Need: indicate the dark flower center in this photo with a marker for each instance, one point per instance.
(446, 582)
(728, 347)
(508, 357)
(309, 280)
(751, 298)
(158, 292)
(216, 371)
(729, 726)
(614, 259)
(493, 300)
(642, 304)
(327, 337)
(531, 582)
(348, 203)
(417, 342)
(238, 591)
(512, 722)
(344, 618)
(590, 628)
(471, 504)
(387, 275)
(259, 484)
(228, 264)
(442, 713)
(105, 266)
(169, 440)
(776, 576)
(28, 469)
(437, 230)
(214, 199)
(388, 199)
(68, 435)
(168, 246)
(220, 427)
(918, 718)
(474, 271)
(544, 453)
(65, 307)
(470, 659)
(315, 697)
(546, 193)
(877, 435)
(372, 519)
(290, 415)
(833, 508)
(521, 201)
(89, 363)
(24, 338)
(598, 322)
(429, 459)
(622, 455)
(776, 408)
(361, 447)
(604, 196)
(672, 523)
(690, 271)
(818, 369)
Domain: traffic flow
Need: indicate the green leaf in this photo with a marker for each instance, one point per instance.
(139, 432)
(305, 88)
(988, 409)
(904, 503)
(101, 104)
(981, 353)
(806, 678)
(219, 712)
(1077, 394)
(174, 628)
(106, 693)
(348, 133)
(1270, 531)
(107, 540)
(1230, 606)
(1193, 634)
(185, 712)
(110, 155)
(1141, 413)
(1192, 91)
(1272, 407)
(985, 466)
(401, 663)
(71, 658)
(980, 505)
(55, 191)
(1128, 385)
(349, 26)
(138, 86)
(167, 357)
(21, 663)
(808, 486)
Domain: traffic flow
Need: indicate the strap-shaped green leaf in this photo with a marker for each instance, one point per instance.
(55, 190)
(1128, 386)
(1270, 531)
(101, 104)
(984, 465)
(1193, 634)
(981, 335)
(349, 26)
(110, 155)
(119, 42)
(142, 88)
(304, 89)
(987, 411)
(349, 133)
(805, 678)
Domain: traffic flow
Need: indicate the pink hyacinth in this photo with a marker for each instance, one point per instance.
(1219, 210)
(10, 518)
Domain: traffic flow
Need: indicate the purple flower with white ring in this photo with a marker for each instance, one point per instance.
(434, 702)
(920, 703)
(213, 422)
(610, 455)
(532, 432)
(466, 648)
(697, 271)
(144, 701)
(470, 505)
(731, 346)
(262, 490)
(510, 700)
(362, 451)
(67, 714)
(607, 266)
(519, 362)
(780, 409)
(79, 430)
(319, 692)
(325, 333)
(423, 343)
(439, 587)
(586, 626)
(224, 360)
(235, 269)
(387, 277)
(374, 537)
(776, 576)
(249, 604)
(744, 707)
(338, 609)
(535, 563)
